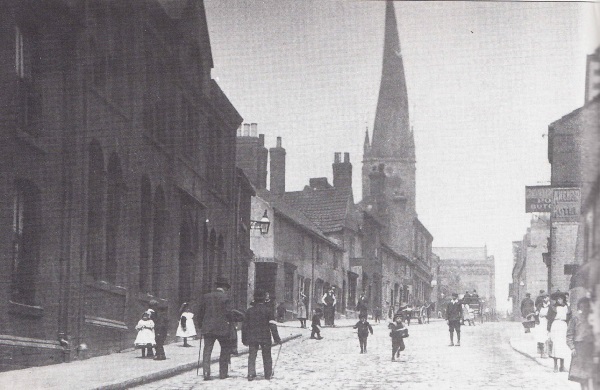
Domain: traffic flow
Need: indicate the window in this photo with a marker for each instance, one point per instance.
(26, 241)
(289, 284)
(27, 64)
(336, 259)
(113, 217)
(95, 205)
(146, 220)
(158, 240)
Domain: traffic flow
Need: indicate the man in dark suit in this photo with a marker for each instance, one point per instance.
(454, 315)
(257, 329)
(213, 316)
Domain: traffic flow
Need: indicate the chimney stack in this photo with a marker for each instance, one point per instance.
(342, 171)
(251, 154)
(277, 168)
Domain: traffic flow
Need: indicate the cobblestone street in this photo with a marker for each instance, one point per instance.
(484, 361)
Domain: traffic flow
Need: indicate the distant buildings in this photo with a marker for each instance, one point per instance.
(119, 177)
(530, 274)
(467, 268)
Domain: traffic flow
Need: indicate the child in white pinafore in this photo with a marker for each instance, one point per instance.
(145, 337)
(186, 326)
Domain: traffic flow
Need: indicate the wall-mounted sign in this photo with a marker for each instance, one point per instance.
(563, 203)
(538, 199)
(566, 204)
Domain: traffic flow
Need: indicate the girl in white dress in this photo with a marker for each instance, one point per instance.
(186, 326)
(558, 334)
(145, 337)
(541, 330)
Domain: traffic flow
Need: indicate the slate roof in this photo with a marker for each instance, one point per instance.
(293, 214)
(331, 209)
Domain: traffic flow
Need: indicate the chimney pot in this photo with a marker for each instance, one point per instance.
(246, 129)
(253, 129)
(279, 142)
(261, 139)
(337, 157)
(239, 130)
(346, 157)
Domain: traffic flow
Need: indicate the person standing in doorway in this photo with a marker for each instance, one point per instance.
(454, 315)
(329, 302)
(213, 319)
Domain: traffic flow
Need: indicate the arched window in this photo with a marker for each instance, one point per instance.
(209, 265)
(145, 225)
(160, 215)
(95, 206)
(221, 255)
(114, 197)
(26, 241)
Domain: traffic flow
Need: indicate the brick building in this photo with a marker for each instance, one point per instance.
(118, 183)
(530, 274)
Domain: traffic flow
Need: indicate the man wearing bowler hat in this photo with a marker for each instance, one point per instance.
(213, 316)
(454, 315)
(257, 329)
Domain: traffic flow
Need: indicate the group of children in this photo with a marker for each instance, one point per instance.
(152, 331)
(398, 332)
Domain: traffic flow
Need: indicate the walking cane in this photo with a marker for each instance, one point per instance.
(276, 359)
(199, 354)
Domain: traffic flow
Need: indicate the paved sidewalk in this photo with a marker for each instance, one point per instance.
(525, 344)
(117, 370)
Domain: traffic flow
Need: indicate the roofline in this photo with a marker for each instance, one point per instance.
(306, 228)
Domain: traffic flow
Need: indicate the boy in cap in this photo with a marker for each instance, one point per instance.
(316, 324)
(397, 332)
(363, 332)
(257, 329)
(454, 315)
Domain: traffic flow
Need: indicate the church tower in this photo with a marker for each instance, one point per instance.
(392, 147)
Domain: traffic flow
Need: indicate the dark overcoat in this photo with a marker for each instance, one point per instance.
(259, 325)
(214, 313)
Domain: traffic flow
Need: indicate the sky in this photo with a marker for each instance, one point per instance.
(485, 79)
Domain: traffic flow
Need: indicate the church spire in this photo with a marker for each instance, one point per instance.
(367, 144)
(391, 133)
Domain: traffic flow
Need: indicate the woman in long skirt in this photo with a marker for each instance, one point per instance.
(558, 334)
(580, 339)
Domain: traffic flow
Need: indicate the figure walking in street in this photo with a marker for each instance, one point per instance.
(377, 314)
(281, 312)
(161, 326)
(145, 338)
(329, 301)
(316, 324)
(257, 329)
(398, 333)
(362, 306)
(213, 319)
(454, 315)
(580, 339)
(186, 327)
(528, 312)
(558, 333)
(363, 333)
(302, 312)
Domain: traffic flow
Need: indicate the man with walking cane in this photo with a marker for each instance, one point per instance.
(257, 329)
